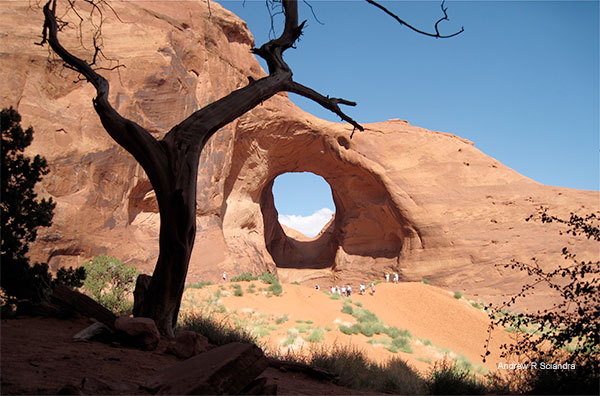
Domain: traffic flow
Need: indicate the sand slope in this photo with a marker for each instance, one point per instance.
(453, 326)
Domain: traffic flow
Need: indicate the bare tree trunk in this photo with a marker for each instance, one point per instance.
(172, 163)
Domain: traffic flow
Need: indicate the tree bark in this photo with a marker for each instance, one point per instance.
(172, 163)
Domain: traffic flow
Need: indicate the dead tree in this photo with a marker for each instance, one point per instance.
(172, 162)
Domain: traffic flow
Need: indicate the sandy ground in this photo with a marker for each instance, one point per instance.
(433, 316)
(38, 355)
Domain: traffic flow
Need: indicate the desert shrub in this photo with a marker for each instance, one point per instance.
(348, 330)
(292, 335)
(276, 289)
(358, 303)
(397, 377)
(199, 285)
(308, 321)
(238, 291)
(110, 282)
(446, 378)
(458, 295)
(476, 305)
(316, 335)
(218, 332)
(244, 277)
(260, 331)
(355, 371)
(282, 319)
(268, 277)
(296, 283)
(335, 296)
(302, 328)
(347, 309)
(426, 281)
(364, 315)
(299, 320)
(425, 341)
(403, 344)
(569, 331)
(394, 332)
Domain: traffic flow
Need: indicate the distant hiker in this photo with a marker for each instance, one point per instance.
(372, 288)
(387, 277)
(348, 291)
(395, 277)
(343, 290)
(337, 288)
(361, 289)
(224, 276)
(317, 287)
(333, 290)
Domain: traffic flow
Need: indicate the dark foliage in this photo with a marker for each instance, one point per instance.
(569, 331)
(22, 214)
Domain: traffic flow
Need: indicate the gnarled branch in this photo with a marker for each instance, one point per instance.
(402, 22)
(325, 101)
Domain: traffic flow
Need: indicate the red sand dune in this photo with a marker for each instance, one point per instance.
(428, 312)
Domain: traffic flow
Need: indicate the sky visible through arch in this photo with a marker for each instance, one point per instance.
(522, 81)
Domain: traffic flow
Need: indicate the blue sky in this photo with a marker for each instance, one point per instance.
(522, 81)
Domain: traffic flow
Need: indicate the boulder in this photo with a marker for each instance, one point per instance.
(187, 344)
(227, 369)
(95, 331)
(138, 332)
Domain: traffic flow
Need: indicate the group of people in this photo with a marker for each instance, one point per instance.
(395, 277)
(347, 290)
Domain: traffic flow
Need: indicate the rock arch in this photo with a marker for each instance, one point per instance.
(368, 233)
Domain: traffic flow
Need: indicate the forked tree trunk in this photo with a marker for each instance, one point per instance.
(172, 163)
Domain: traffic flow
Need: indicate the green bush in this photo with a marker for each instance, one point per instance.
(426, 281)
(268, 277)
(276, 289)
(109, 282)
(199, 285)
(349, 330)
(316, 335)
(358, 303)
(21, 214)
(458, 295)
(347, 309)
(282, 319)
(355, 371)
(238, 292)
(476, 305)
(335, 296)
(403, 344)
(244, 277)
(446, 378)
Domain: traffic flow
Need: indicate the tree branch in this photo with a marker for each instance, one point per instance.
(272, 51)
(325, 101)
(402, 22)
(128, 134)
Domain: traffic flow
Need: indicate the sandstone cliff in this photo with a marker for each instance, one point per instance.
(425, 204)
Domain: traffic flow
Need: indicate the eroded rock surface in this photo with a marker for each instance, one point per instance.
(421, 203)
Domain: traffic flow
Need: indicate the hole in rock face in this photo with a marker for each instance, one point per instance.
(298, 209)
(304, 203)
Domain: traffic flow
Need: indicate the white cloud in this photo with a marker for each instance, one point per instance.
(308, 225)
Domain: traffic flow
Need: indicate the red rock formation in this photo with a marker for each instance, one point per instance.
(424, 204)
